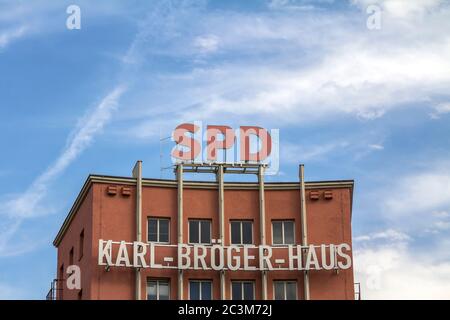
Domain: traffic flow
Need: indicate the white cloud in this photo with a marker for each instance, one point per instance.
(293, 153)
(7, 36)
(293, 4)
(296, 69)
(355, 80)
(441, 214)
(27, 204)
(17, 208)
(42, 17)
(388, 235)
(410, 259)
(8, 229)
(442, 225)
(398, 271)
(352, 149)
(376, 146)
(402, 9)
(207, 43)
(439, 223)
(417, 194)
(317, 65)
(440, 109)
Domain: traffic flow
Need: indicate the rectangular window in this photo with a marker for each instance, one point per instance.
(158, 230)
(200, 290)
(243, 290)
(81, 245)
(241, 232)
(285, 290)
(283, 232)
(71, 256)
(200, 231)
(158, 289)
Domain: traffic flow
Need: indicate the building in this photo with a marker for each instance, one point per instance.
(166, 213)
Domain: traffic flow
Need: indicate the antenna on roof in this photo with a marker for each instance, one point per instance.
(161, 155)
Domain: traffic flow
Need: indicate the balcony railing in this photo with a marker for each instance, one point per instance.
(55, 290)
(357, 291)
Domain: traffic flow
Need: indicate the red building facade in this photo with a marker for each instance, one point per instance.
(170, 212)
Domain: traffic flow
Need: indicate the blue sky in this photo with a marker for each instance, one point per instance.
(350, 103)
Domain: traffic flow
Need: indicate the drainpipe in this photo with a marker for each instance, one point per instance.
(137, 174)
(262, 226)
(221, 225)
(180, 224)
(303, 220)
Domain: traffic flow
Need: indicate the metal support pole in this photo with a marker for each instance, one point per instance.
(180, 224)
(264, 284)
(303, 219)
(221, 204)
(220, 182)
(262, 226)
(137, 174)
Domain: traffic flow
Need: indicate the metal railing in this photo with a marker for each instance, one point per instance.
(55, 292)
(357, 291)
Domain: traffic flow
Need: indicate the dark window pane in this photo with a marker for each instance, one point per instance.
(151, 290)
(152, 230)
(206, 290)
(206, 231)
(291, 291)
(279, 290)
(289, 232)
(163, 230)
(247, 232)
(193, 232)
(71, 256)
(235, 232)
(163, 290)
(236, 291)
(194, 290)
(248, 291)
(277, 232)
(81, 244)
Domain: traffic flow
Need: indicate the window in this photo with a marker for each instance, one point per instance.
(283, 232)
(285, 290)
(241, 232)
(158, 289)
(200, 290)
(81, 244)
(158, 230)
(80, 294)
(200, 231)
(71, 257)
(243, 290)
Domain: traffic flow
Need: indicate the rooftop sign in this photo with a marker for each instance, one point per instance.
(223, 144)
